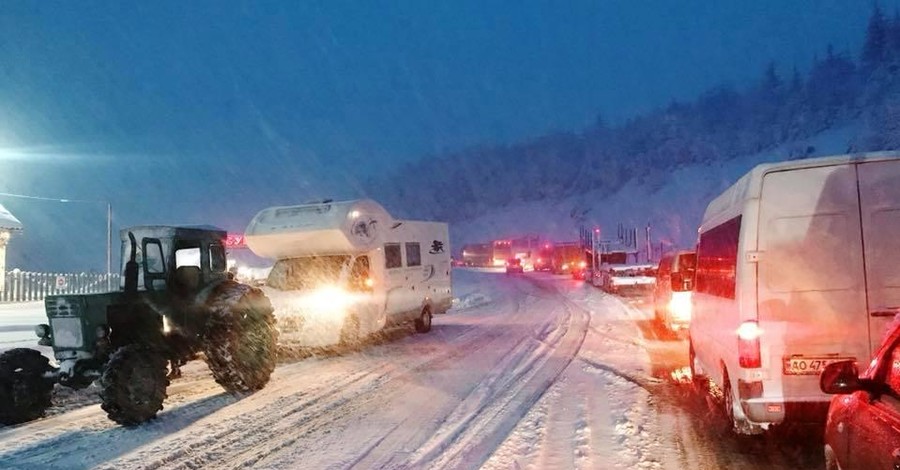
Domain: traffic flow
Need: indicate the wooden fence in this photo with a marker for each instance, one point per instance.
(24, 286)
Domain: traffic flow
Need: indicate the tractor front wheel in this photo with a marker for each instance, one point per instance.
(24, 386)
(133, 385)
(241, 339)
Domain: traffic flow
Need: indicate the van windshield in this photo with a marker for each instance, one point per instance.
(306, 273)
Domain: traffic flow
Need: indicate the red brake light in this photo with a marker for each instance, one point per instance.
(748, 345)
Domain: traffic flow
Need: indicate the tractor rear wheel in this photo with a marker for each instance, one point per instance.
(24, 388)
(241, 340)
(133, 385)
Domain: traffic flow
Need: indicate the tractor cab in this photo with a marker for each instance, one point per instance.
(178, 260)
(176, 300)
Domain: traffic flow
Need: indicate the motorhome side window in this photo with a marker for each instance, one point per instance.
(392, 256)
(413, 255)
(717, 259)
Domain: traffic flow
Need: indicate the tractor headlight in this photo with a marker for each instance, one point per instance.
(42, 331)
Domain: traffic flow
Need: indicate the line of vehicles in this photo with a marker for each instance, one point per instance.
(342, 271)
(791, 296)
(529, 253)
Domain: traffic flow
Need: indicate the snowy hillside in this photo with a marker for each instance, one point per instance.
(673, 209)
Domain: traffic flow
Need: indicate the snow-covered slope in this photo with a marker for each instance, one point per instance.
(673, 209)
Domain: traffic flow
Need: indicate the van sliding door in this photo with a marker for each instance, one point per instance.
(879, 192)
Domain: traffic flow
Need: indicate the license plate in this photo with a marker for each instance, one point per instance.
(809, 365)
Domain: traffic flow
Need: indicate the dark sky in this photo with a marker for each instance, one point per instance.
(214, 109)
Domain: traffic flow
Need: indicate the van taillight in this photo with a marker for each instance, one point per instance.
(748, 345)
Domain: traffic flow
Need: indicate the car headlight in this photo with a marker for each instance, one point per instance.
(680, 306)
(328, 299)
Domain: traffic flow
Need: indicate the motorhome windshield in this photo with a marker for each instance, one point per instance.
(306, 273)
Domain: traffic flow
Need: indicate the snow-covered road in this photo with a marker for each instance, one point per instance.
(530, 371)
(17, 321)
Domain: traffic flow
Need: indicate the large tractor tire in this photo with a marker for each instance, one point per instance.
(241, 340)
(24, 386)
(133, 385)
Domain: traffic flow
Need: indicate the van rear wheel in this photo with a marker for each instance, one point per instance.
(423, 323)
(697, 377)
(728, 400)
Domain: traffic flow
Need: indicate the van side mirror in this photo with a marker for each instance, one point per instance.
(841, 378)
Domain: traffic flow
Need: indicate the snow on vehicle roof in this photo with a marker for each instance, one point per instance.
(8, 221)
(730, 203)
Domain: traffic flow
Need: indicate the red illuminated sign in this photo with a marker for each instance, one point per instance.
(235, 240)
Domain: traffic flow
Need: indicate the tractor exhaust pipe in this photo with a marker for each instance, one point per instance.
(131, 268)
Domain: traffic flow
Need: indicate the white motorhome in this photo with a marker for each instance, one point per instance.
(344, 270)
(798, 265)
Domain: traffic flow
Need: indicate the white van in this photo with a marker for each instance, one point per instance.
(798, 265)
(344, 270)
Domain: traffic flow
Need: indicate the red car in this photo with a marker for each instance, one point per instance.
(863, 427)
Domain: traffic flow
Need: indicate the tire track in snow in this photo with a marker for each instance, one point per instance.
(470, 439)
(275, 430)
(384, 453)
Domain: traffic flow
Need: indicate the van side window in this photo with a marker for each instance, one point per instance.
(413, 254)
(717, 259)
(392, 257)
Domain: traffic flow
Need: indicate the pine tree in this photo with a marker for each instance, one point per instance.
(893, 38)
(771, 82)
(875, 46)
(796, 81)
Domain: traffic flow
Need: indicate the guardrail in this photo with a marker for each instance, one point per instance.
(25, 286)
